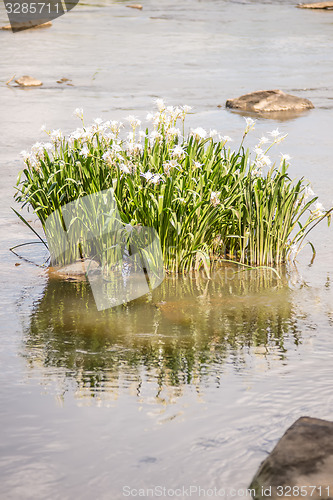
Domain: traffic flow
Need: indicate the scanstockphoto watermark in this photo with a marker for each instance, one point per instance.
(25, 14)
(193, 491)
(121, 262)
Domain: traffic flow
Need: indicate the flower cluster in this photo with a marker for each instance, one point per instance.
(190, 186)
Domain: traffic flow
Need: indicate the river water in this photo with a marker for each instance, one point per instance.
(194, 384)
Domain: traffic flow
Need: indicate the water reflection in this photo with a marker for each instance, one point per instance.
(182, 334)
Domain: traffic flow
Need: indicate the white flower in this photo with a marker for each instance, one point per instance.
(215, 198)
(225, 138)
(173, 132)
(25, 155)
(308, 192)
(160, 104)
(319, 210)
(150, 117)
(154, 134)
(196, 164)
(124, 168)
(115, 147)
(78, 112)
(134, 147)
(264, 161)
(319, 207)
(134, 122)
(56, 135)
(48, 147)
(249, 124)
(177, 152)
(263, 140)
(186, 109)
(142, 134)
(98, 121)
(199, 133)
(279, 139)
(167, 166)
(213, 133)
(114, 126)
(258, 151)
(147, 175)
(256, 172)
(110, 156)
(285, 158)
(43, 128)
(84, 151)
(275, 133)
(156, 179)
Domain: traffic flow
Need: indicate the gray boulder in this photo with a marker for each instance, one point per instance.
(302, 458)
(267, 101)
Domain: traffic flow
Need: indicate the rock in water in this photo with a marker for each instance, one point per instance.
(318, 5)
(75, 271)
(302, 458)
(265, 101)
(28, 81)
(27, 25)
(135, 6)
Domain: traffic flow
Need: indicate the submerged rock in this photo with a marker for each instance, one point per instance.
(302, 458)
(27, 25)
(135, 6)
(28, 81)
(317, 5)
(267, 101)
(75, 271)
(64, 80)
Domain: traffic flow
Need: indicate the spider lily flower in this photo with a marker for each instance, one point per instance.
(177, 152)
(124, 168)
(225, 138)
(147, 175)
(160, 104)
(308, 192)
(154, 135)
(213, 133)
(263, 161)
(275, 133)
(142, 134)
(285, 158)
(249, 125)
(172, 133)
(134, 147)
(185, 109)
(56, 136)
(199, 133)
(156, 179)
(263, 140)
(196, 164)
(319, 210)
(134, 122)
(258, 151)
(84, 151)
(280, 139)
(25, 155)
(167, 166)
(78, 112)
(215, 198)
